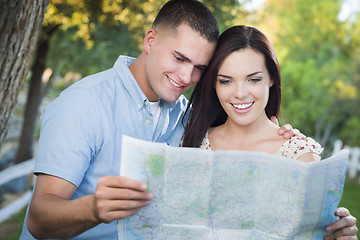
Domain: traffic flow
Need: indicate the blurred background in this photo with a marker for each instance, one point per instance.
(317, 42)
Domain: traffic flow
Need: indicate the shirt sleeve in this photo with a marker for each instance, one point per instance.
(67, 137)
(295, 147)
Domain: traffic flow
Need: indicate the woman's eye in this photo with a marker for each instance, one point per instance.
(223, 81)
(255, 80)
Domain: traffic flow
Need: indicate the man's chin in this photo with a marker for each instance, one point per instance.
(171, 98)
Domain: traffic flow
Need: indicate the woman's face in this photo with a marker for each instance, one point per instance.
(242, 86)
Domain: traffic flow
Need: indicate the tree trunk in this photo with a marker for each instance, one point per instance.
(20, 25)
(35, 95)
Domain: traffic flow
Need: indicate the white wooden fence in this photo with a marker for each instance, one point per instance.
(354, 159)
(27, 167)
(11, 173)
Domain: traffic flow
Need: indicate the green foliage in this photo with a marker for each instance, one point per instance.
(319, 54)
(94, 33)
(305, 95)
(227, 12)
(71, 55)
(90, 38)
(187, 94)
(318, 58)
(351, 132)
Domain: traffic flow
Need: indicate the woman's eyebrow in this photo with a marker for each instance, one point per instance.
(252, 74)
(224, 76)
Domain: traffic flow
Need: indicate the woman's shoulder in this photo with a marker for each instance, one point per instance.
(296, 146)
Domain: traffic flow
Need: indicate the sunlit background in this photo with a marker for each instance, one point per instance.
(317, 42)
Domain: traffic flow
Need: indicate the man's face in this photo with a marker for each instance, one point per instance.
(175, 62)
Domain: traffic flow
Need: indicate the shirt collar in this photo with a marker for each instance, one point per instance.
(121, 67)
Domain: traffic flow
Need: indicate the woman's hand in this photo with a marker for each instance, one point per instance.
(344, 228)
(287, 130)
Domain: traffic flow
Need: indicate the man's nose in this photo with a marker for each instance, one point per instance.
(186, 73)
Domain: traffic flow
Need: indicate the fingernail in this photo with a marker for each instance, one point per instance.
(149, 195)
(326, 238)
(143, 187)
(281, 131)
(328, 229)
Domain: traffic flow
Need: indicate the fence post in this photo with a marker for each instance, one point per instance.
(354, 162)
(337, 146)
(353, 168)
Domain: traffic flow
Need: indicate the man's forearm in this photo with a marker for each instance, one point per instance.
(53, 217)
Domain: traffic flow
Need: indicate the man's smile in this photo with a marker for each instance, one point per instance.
(175, 84)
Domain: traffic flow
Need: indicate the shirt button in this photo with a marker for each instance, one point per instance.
(146, 102)
(148, 122)
(139, 106)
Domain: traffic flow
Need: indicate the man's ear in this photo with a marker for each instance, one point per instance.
(148, 39)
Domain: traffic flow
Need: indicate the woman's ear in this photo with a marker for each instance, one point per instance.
(148, 39)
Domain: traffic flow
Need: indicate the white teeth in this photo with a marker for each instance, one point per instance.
(173, 83)
(243, 106)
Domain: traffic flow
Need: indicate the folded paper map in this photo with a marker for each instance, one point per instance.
(201, 194)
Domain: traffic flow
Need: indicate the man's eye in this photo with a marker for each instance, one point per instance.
(179, 58)
(202, 69)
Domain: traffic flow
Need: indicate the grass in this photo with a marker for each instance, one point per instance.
(11, 229)
(351, 197)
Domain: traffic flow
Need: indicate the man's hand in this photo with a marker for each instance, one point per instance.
(344, 228)
(118, 197)
(53, 214)
(287, 130)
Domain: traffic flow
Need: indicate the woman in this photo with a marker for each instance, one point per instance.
(232, 104)
(244, 91)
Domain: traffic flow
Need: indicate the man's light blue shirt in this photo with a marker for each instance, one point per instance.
(81, 132)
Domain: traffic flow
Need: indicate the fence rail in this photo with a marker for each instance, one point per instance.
(11, 173)
(26, 168)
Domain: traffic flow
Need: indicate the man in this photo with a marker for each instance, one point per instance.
(79, 192)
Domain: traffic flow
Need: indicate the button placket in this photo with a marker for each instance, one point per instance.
(147, 117)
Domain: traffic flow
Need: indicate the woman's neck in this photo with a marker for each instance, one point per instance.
(252, 137)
